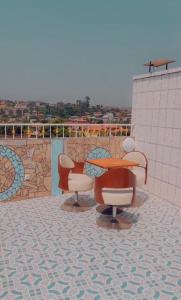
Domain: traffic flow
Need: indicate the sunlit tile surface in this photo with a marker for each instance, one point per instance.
(47, 253)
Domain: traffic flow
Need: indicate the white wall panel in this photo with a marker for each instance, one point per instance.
(157, 119)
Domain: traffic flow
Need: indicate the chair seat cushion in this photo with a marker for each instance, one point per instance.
(79, 182)
(140, 175)
(117, 196)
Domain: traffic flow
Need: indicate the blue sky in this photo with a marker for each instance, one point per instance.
(67, 49)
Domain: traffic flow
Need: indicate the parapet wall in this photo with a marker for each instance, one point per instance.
(25, 169)
(28, 167)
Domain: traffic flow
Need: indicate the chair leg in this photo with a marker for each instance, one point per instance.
(76, 203)
(114, 212)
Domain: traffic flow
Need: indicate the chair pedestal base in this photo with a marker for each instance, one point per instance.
(109, 222)
(76, 204)
(74, 207)
(80, 205)
(114, 221)
(107, 210)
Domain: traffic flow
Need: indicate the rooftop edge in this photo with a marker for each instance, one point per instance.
(157, 73)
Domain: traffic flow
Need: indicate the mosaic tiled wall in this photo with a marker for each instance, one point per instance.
(25, 169)
(156, 113)
(78, 148)
(28, 168)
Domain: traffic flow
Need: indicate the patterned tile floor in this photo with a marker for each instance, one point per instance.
(48, 254)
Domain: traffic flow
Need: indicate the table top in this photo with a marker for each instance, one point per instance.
(110, 163)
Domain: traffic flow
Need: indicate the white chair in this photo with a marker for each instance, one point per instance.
(116, 188)
(72, 179)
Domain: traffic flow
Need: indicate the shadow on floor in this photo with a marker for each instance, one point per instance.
(140, 199)
(85, 202)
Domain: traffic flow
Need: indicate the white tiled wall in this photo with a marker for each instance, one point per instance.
(156, 113)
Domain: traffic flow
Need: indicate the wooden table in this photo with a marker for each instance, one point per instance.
(110, 163)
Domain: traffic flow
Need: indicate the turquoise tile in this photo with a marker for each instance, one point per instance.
(57, 147)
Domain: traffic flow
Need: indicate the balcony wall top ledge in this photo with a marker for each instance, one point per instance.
(157, 73)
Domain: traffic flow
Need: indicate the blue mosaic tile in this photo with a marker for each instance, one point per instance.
(92, 170)
(19, 173)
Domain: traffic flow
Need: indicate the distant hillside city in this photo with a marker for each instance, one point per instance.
(80, 112)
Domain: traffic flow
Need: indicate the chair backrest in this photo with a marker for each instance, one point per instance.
(114, 178)
(66, 161)
(65, 164)
(138, 157)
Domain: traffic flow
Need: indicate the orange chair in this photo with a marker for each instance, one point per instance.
(72, 179)
(116, 188)
(141, 170)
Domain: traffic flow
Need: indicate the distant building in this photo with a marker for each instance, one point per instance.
(108, 118)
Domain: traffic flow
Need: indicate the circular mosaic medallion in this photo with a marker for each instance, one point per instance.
(11, 173)
(92, 170)
(7, 174)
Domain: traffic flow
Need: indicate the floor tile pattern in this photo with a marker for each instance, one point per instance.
(49, 254)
